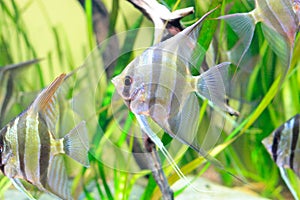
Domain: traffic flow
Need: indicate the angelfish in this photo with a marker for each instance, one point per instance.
(158, 84)
(7, 78)
(284, 145)
(280, 24)
(29, 150)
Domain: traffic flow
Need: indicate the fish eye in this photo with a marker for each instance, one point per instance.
(127, 81)
(1, 148)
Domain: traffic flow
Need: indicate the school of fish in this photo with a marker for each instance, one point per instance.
(159, 85)
(7, 78)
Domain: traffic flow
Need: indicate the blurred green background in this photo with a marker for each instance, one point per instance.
(61, 34)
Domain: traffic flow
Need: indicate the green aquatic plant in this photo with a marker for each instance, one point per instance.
(114, 173)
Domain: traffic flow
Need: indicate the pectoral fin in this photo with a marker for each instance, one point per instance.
(146, 128)
(18, 184)
(185, 124)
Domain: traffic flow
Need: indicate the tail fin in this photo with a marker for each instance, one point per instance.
(21, 65)
(243, 24)
(211, 85)
(76, 144)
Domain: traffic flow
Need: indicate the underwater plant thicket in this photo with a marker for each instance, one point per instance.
(61, 34)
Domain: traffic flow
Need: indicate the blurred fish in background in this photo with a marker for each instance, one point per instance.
(8, 77)
(103, 28)
(279, 24)
(284, 144)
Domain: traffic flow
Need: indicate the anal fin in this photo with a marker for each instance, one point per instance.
(58, 179)
(19, 185)
(185, 124)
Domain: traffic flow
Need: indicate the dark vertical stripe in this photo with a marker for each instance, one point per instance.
(174, 101)
(276, 140)
(44, 150)
(126, 90)
(295, 137)
(175, 115)
(21, 133)
(157, 54)
(2, 134)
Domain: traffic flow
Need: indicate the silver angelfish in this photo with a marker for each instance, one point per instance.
(280, 23)
(158, 84)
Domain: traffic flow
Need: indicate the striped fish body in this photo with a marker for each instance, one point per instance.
(163, 89)
(32, 146)
(284, 144)
(279, 23)
(158, 78)
(30, 152)
(158, 84)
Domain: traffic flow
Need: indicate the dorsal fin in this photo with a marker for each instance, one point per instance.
(186, 43)
(44, 104)
(193, 31)
(20, 65)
